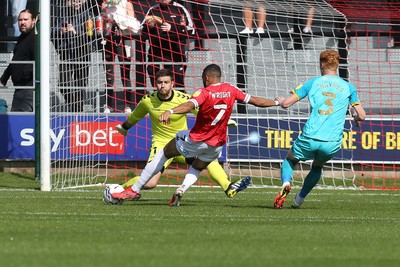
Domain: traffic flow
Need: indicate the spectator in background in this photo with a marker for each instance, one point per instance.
(168, 25)
(296, 24)
(248, 18)
(119, 24)
(200, 9)
(73, 38)
(16, 7)
(22, 74)
(310, 18)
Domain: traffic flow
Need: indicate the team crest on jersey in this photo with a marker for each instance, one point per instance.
(197, 93)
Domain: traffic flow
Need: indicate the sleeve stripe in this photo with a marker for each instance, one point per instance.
(247, 98)
(294, 93)
(194, 101)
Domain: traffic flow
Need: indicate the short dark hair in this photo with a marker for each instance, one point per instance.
(212, 70)
(163, 73)
(27, 10)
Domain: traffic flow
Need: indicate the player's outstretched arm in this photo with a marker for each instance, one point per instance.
(287, 102)
(262, 102)
(181, 109)
(136, 115)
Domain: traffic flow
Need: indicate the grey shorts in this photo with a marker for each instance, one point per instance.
(192, 149)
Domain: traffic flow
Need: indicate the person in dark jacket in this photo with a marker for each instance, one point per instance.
(119, 24)
(168, 25)
(22, 74)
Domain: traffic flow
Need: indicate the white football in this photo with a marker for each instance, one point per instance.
(111, 189)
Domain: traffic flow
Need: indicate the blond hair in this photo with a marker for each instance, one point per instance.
(329, 59)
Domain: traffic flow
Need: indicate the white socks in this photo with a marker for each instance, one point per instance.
(151, 169)
(190, 178)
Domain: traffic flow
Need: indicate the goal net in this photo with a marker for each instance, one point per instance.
(80, 133)
(101, 71)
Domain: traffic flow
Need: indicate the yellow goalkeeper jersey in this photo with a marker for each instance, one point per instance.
(152, 105)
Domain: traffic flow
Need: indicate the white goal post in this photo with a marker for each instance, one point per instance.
(45, 156)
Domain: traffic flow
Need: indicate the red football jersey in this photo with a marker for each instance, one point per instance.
(216, 105)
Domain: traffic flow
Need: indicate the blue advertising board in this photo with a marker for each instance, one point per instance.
(74, 137)
(79, 136)
(373, 141)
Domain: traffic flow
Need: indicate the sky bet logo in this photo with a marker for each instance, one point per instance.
(95, 138)
(84, 138)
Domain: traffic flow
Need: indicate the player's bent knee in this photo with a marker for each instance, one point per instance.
(150, 185)
(189, 161)
(199, 164)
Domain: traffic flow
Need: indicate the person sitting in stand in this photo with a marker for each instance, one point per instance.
(248, 18)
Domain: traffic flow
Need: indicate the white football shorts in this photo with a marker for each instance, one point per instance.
(192, 149)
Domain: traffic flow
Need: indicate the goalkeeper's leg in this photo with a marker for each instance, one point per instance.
(218, 174)
(150, 184)
(153, 181)
(131, 182)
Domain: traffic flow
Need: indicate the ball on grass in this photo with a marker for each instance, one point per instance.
(109, 190)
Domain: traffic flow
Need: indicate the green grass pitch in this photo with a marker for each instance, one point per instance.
(75, 228)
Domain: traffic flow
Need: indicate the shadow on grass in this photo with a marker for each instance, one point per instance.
(18, 181)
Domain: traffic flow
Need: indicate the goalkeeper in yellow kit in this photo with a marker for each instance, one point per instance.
(155, 104)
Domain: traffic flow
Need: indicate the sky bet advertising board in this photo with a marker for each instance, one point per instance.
(255, 139)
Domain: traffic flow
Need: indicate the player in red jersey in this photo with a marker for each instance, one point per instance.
(205, 141)
(216, 102)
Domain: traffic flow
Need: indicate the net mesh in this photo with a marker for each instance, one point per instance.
(112, 68)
